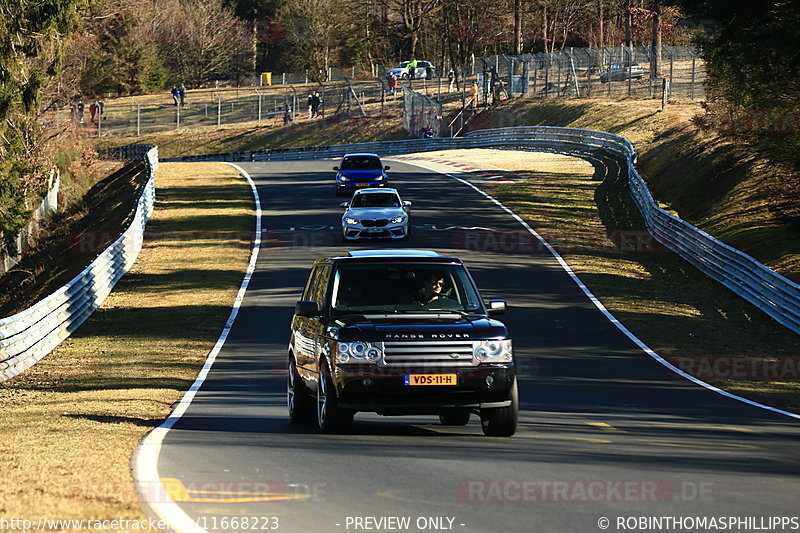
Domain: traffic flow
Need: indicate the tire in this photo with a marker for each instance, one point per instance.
(502, 421)
(455, 417)
(298, 401)
(404, 76)
(407, 235)
(330, 417)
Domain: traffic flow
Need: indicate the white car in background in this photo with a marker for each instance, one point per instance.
(621, 72)
(424, 70)
(375, 214)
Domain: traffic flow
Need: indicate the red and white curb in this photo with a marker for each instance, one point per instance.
(457, 166)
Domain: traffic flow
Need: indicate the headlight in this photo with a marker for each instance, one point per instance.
(358, 352)
(492, 351)
(343, 178)
(380, 178)
(350, 221)
(397, 220)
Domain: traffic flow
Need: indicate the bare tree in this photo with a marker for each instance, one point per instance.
(656, 38)
(313, 31)
(412, 14)
(517, 9)
(199, 38)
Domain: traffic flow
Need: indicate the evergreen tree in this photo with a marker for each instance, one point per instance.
(31, 38)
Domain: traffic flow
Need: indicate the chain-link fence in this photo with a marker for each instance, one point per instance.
(150, 114)
(252, 106)
(422, 115)
(610, 72)
(607, 73)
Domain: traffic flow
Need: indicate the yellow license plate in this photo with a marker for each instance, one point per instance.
(362, 185)
(431, 379)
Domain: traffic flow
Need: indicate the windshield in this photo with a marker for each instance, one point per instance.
(407, 287)
(404, 64)
(361, 163)
(376, 200)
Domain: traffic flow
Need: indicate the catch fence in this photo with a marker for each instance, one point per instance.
(587, 72)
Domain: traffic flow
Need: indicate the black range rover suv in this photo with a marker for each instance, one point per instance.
(399, 332)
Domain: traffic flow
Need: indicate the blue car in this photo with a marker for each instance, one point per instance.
(360, 171)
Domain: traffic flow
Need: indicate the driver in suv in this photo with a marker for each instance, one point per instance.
(399, 332)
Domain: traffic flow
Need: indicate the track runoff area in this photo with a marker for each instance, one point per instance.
(609, 437)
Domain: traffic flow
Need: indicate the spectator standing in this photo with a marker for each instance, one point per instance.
(412, 68)
(175, 95)
(315, 103)
(73, 112)
(451, 78)
(392, 84)
(101, 105)
(93, 111)
(310, 105)
(80, 112)
(182, 94)
(287, 115)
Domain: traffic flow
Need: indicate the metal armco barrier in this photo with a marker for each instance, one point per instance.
(28, 336)
(774, 294)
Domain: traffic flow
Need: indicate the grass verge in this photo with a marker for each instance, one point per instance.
(723, 185)
(586, 212)
(71, 422)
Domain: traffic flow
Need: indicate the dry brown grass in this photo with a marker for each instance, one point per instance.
(720, 184)
(70, 423)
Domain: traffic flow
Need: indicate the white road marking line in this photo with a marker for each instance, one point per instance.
(603, 309)
(145, 458)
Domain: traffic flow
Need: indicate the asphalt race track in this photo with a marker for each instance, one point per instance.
(605, 430)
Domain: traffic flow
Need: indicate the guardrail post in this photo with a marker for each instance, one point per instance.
(138, 118)
(259, 105)
(671, 67)
(178, 117)
(219, 110)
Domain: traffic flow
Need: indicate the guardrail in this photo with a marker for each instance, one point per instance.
(28, 336)
(774, 294)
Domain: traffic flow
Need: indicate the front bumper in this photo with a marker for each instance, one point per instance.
(364, 387)
(390, 231)
(352, 186)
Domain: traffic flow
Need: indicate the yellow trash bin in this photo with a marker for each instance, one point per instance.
(266, 78)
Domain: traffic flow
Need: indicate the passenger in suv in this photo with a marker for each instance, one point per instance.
(399, 332)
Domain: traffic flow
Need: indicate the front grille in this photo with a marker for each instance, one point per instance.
(428, 353)
(374, 223)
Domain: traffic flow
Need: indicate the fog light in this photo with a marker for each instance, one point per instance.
(489, 381)
(368, 382)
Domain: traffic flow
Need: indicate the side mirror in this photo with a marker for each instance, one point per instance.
(387, 168)
(406, 203)
(497, 307)
(344, 205)
(335, 168)
(306, 308)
